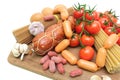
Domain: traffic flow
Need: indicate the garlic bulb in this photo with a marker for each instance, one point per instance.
(105, 77)
(19, 49)
(95, 77)
(36, 28)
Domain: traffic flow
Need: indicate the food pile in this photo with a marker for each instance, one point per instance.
(79, 26)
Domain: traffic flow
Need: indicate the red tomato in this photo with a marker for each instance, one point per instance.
(91, 16)
(98, 15)
(104, 22)
(74, 41)
(86, 53)
(87, 40)
(93, 28)
(118, 42)
(78, 13)
(118, 30)
(114, 20)
(79, 27)
(109, 30)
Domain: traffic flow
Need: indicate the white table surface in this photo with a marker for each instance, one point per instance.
(16, 13)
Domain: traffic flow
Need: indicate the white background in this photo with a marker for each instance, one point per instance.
(16, 13)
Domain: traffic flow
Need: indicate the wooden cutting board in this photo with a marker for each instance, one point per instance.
(31, 63)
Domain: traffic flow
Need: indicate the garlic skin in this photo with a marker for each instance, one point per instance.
(95, 77)
(105, 77)
(36, 28)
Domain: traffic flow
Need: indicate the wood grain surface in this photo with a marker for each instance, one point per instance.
(31, 63)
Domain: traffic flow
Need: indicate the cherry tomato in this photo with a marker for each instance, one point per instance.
(118, 42)
(87, 40)
(86, 53)
(98, 15)
(79, 27)
(93, 28)
(114, 20)
(118, 30)
(91, 16)
(78, 13)
(74, 41)
(104, 22)
(109, 30)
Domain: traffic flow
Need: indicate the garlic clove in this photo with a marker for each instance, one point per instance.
(26, 48)
(95, 77)
(105, 77)
(15, 52)
(21, 49)
(17, 46)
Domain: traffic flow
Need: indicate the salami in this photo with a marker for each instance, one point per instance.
(45, 41)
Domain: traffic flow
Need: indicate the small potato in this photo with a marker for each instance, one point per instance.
(36, 17)
(47, 11)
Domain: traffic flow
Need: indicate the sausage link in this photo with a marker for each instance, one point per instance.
(60, 68)
(56, 59)
(43, 59)
(52, 67)
(90, 66)
(45, 66)
(69, 57)
(48, 17)
(52, 53)
(101, 54)
(76, 72)
(67, 28)
(62, 45)
(111, 40)
(63, 60)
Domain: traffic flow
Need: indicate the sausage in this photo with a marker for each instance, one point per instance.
(46, 41)
(48, 17)
(72, 21)
(69, 56)
(56, 59)
(60, 68)
(62, 45)
(62, 10)
(45, 65)
(87, 65)
(76, 72)
(101, 54)
(52, 67)
(52, 53)
(43, 59)
(67, 28)
(111, 40)
(63, 60)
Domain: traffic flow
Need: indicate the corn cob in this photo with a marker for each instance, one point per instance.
(113, 54)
